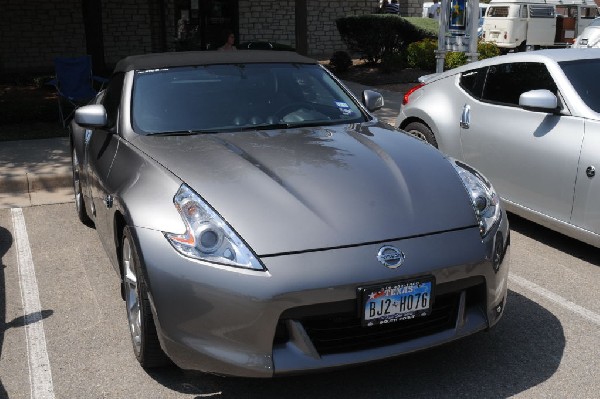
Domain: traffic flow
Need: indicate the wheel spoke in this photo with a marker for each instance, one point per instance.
(132, 296)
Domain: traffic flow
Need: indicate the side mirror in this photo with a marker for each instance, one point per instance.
(539, 100)
(372, 100)
(91, 116)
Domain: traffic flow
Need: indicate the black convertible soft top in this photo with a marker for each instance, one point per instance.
(189, 58)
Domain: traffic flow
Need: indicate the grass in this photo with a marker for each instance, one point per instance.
(29, 111)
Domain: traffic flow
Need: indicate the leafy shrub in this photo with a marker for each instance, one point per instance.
(487, 50)
(455, 59)
(340, 61)
(377, 35)
(393, 61)
(421, 54)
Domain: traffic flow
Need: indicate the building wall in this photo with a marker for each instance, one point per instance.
(260, 21)
(34, 32)
(323, 36)
(414, 8)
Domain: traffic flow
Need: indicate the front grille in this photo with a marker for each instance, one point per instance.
(341, 330)
(344, 333)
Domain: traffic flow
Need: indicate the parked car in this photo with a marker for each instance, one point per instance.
(531, 123)
(590, 37)
(264, 223)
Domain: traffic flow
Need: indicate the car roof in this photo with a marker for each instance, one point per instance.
(553, 55)
(190, 58)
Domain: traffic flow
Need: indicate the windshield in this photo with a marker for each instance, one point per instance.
(215, 98)
(582, 74)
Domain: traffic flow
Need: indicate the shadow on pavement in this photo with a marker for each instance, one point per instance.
(524, 350)
(555, 240)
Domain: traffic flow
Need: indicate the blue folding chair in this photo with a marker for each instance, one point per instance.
(74, 84)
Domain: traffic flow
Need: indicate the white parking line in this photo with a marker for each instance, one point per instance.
(557, 299)
(40, 375)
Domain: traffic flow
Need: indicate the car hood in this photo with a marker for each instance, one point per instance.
(314, 188)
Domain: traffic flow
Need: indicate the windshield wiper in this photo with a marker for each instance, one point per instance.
(290, 125)
(266, 126)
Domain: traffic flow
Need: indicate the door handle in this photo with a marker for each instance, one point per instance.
(465, 118)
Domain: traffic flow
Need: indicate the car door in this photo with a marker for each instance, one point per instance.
(541, 25)
(102, 147)
(86, 180)
(530, 157)
(586, 209)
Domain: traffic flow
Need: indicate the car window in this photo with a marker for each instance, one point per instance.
(541, 11)
(112, 98)
(581, 73)
(494, 11)
(472, 81)
(505, 83)
(214, 98)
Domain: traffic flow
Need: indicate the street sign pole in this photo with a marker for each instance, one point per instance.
(458, 23)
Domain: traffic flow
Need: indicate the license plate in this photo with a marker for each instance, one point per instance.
(494, 35)
(397, 301)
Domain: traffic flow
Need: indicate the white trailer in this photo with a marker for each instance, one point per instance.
(520, 25)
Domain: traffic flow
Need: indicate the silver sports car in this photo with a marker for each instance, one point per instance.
(590, 37)
(530, 122)
(263, 222)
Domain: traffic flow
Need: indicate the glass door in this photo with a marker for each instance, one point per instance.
(204, 24)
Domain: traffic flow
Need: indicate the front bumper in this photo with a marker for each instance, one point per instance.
(260, 324)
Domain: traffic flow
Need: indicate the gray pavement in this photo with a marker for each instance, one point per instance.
(36, 172)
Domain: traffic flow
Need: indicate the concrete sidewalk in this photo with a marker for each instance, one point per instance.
(36, 172)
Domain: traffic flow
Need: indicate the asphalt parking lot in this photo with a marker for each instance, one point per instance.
(76, 343)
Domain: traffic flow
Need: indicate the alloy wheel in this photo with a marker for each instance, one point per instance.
(132, 296)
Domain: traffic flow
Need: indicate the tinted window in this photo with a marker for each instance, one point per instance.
(583, 77)
(472, 81)
(506, 82)
(232, 97)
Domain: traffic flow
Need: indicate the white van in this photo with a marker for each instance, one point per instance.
(529, 24)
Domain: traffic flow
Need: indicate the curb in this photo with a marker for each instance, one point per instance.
(31, 183)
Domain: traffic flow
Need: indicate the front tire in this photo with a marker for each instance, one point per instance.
(144, 337)
(421, 131)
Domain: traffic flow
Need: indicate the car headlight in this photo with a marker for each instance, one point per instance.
(484, 199)
(208, 237)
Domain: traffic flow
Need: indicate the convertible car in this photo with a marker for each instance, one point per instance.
(262, 222)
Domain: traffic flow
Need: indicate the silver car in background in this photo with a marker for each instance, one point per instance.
(263, 222)
(590, 37)
(531, 123)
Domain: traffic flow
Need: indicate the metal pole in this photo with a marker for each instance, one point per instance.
(440, 54)
(473, 6)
